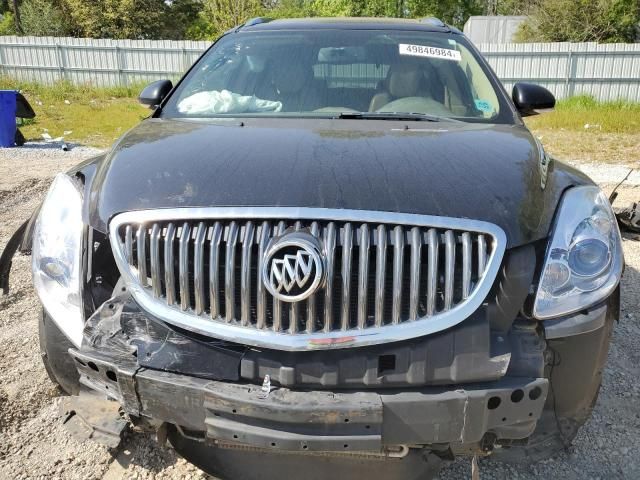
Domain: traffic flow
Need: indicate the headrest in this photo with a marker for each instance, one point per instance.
(404, 80)
(290, 79)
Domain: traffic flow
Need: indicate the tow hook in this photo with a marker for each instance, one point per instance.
(397, 451)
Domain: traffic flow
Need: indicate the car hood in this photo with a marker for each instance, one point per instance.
(494, 173)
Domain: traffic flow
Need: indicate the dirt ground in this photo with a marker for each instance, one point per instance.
(33, 444)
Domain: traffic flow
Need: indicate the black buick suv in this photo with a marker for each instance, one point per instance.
(333, 248)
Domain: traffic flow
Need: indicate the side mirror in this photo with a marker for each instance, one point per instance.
(532, 99)
(154, 93)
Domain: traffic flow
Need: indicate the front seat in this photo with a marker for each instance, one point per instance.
(295, 88)
(403, 80)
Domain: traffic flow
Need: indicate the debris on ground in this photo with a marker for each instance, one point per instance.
(629, 218)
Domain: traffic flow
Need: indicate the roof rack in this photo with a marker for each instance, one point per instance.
(256, 21)
(436, 22)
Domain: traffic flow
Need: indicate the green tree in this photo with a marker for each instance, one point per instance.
(7, 24)
(134, 19)
(453, 12)
(43, 18)
(218, 16)
(380, 8)
(334, 8)
(581, 21)
(514, 7)
(179, 15)
(16, 16)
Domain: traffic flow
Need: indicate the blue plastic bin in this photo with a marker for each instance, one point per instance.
(7, 118)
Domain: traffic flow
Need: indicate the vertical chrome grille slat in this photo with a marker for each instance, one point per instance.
(416, 252)
(293, 317)
(183, 266)
(432, 271)
(128, 244)
(482, 254)
(294, 307)
(347, 245)
(363, 275)
(229, 272)
(311, 301)
(277, 304)
(466, 265)
(261, 294)
(449, 268)
(198, 268)
(381, 264)
(141, 240)
(154, 254)
(329, 248)
(245, 276)
(214, 267)
(398, 260)
(169, 264)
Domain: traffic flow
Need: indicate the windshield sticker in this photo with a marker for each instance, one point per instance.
(483, 106)
(431, 52)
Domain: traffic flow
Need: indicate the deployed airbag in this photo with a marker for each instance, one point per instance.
(224, 101)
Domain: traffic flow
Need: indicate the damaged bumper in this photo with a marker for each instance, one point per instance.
(318, 420)
(159, 376)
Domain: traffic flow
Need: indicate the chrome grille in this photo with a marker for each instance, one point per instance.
(388, 276)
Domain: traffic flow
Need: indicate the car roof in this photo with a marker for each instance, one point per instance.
(348, 23)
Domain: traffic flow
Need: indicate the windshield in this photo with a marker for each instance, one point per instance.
(336, 73)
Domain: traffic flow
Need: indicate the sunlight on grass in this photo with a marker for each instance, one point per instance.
(576, 112)
(66, 90)
(94, 116)
(582, 129)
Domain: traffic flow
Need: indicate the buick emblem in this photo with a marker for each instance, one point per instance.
(292, 266)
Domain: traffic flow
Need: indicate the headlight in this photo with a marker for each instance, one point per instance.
(57, 255)
(584, 258)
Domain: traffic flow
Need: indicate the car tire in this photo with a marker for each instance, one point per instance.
(54, 347)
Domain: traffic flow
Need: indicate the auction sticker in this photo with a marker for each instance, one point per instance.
(431, 52)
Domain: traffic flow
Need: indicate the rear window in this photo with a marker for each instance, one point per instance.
(326, 72)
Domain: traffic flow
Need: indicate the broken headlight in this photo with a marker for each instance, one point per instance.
(584, 257)
(57, 256)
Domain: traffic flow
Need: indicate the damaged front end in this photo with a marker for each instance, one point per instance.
(206, 391)
(496, 382)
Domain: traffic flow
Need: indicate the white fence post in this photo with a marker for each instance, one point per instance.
(568, 85)
(121, 80)
(60, 56)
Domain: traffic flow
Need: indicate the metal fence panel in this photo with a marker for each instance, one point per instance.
(606, 71)
(99, 62)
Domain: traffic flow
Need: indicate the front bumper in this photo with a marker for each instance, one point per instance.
(318, 420)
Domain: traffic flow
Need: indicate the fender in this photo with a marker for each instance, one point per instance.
(15, 243)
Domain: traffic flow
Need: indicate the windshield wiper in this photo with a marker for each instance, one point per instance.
(418, 117)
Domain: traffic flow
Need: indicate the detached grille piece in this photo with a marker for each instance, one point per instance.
(380, 276)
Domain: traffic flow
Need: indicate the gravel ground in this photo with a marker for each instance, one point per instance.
(33, 444)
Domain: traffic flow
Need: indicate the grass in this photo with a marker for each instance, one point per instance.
(98, 116)
(585, 130)
(585, 113)
(94, 116)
